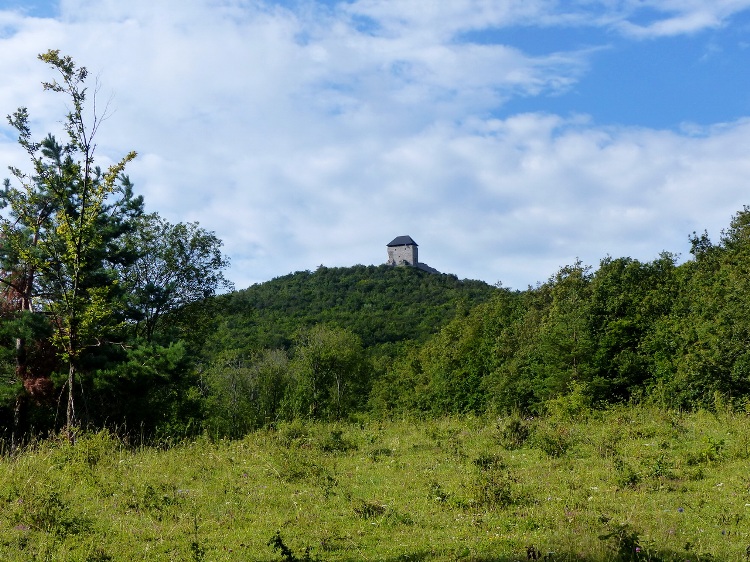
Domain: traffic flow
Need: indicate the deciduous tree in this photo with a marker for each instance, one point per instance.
(177, 265)
(64, 222)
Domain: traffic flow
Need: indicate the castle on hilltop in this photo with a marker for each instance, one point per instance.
(403, 250)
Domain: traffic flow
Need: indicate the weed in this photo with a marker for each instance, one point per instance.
(424, 502)
(293, 433)
(608, 446)
(493, 486)
(711, 452)
(376, 454)
(532, 553)
(453, 438)
(47, 511)
(437, 493)
(514, 432)
(696, 474)
(287, 555)
(156, 499)
(439, 434)
(336, 443)
(159, 497)
(487, 461)
(196, 550)
(99, 555)
(555, 441)
(624, 541)
(626, 475)
(456, 447)
(369, 509)
(393, 517)
(328, 483)
(293, 466)
(661, 469)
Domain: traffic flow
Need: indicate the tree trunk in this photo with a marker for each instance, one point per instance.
(71, 413)
(21, 369)
(15, 435)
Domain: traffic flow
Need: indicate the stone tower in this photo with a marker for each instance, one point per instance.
(402, 250)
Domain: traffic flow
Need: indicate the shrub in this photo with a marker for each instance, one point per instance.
(553, 440)
(514, 432)
(624, 541)
(336, 443)
(627, 476)
(493, 485)
(369, 509)
(293, 433)
(47, 511)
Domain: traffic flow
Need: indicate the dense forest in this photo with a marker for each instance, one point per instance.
(112, 317)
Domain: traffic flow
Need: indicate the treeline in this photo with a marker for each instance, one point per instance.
(110, 318)
(674, 334)
(677, 335)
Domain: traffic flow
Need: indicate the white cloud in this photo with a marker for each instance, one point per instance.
(675, 17)
(317, 135)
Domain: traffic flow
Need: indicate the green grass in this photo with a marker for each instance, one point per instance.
(596, 488)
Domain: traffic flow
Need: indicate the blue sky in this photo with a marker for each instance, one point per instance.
(507, 137)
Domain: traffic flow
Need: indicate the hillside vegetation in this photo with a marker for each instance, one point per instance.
(349, 343)
(380, 304)
(671, 334)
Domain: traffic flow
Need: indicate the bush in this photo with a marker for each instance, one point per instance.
(514, 432)
(493, 485)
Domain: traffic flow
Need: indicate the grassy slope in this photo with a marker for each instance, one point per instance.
(451, 489)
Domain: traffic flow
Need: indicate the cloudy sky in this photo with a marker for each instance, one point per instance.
(507, 137)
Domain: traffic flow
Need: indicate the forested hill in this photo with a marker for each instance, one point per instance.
(381, 304)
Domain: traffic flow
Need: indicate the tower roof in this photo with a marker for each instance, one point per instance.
(402, 241)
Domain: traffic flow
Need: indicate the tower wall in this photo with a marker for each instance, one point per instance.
(398, 255)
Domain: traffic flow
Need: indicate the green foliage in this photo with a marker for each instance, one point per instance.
(380, 304)
(85, 274)
(553, 437)
(242, 393)
(449, 372)
(493, 486)
(45, 510)
(120, 309)
(335, 442)
(61, 235)
(178, 264)
(148, 389)
(625, 543)
(629, 299)
(707, 335)
(329, 374)
(287, 554)
(513, 432)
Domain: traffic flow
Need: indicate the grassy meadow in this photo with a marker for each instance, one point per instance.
(633, 483)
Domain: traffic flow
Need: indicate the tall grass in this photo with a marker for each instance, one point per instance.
(627, 484)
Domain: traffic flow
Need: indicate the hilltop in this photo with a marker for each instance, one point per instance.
(380, 304)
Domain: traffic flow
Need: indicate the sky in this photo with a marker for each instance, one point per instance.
(508, 138)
